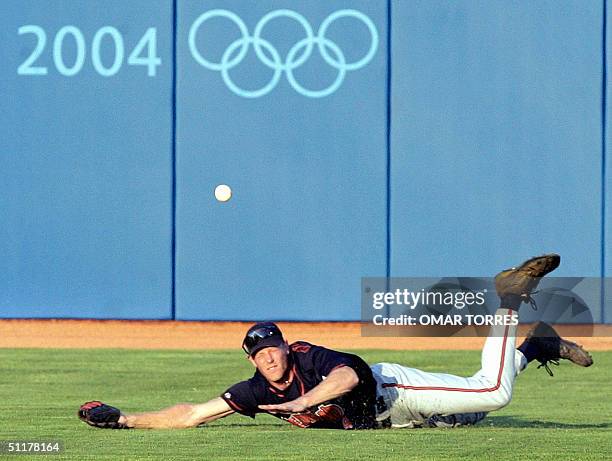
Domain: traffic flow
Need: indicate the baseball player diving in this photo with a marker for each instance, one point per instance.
(314, 387)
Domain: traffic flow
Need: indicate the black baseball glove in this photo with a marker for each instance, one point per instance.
(98, 414)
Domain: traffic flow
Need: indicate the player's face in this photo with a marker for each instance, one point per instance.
(272, 362)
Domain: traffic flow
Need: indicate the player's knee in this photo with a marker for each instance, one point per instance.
(502, 397)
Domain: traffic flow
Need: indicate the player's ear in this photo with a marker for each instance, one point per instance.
(286, 347)
(250, 359)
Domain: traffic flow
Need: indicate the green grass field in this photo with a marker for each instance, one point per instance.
(565, 417)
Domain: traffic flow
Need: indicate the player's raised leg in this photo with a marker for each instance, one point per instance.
(415, 395)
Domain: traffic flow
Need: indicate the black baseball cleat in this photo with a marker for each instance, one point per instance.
(514, 286)
(550, 347)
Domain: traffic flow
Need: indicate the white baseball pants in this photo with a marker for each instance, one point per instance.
(412, 396)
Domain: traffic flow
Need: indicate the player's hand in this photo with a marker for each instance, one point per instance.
(98, 414)
(295, 406)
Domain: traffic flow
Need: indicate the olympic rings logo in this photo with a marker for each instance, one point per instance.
(296, 57)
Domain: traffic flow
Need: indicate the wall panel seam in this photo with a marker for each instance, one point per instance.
(173, 109)
(388, 141)
(604, 88)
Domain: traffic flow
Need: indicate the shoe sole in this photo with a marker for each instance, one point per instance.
(574, 353)
(525, 278)
(552, 262)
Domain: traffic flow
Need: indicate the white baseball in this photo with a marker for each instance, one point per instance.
(223, 192)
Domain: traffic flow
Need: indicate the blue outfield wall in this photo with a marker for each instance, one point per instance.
(360, 139)
(496, 140)
(308, 171)
(85, 162)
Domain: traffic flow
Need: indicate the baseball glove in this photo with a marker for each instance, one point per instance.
(98, 414)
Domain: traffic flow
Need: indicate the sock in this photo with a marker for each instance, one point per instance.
(529, 350)
(520, 361)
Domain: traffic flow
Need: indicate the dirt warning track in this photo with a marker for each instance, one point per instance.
(136, 334)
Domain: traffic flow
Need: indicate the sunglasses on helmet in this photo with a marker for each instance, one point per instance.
(267, 334)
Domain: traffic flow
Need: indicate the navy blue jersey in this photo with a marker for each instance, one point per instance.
(310, 365)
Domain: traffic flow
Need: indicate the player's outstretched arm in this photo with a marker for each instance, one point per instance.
(339, 382)
(179, 416)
